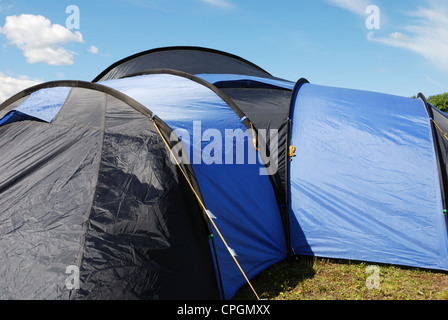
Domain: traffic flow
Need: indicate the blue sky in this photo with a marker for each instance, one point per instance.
(325, 41)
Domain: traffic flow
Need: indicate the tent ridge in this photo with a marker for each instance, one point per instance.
(162, 49)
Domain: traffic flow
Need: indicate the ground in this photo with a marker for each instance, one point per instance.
(310, 278)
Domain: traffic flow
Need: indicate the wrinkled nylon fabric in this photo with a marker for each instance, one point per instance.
(219, 78)
(145, 238)
(98, 192)
(44, 202)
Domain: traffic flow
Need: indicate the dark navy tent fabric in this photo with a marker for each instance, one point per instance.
(251, 225)
(216, 79)
(365, 183)
(95, 190)
(193, 60)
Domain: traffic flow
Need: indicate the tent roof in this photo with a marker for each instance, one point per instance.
(194, 60)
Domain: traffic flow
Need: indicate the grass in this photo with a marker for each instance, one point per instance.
(310, 278)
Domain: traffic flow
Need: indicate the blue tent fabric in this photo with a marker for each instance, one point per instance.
(44, 104)
(364, 183)
(241, 199)
(41, 105)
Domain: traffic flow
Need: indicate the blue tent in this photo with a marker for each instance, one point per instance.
(183, 172)
(365, 184)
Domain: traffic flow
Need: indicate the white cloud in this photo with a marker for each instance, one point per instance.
(354, 6)
(218, 3)
(9, 86)
(428, 36)
(40, 40)
(93, 50)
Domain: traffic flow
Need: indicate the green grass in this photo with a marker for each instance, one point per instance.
(311, 278)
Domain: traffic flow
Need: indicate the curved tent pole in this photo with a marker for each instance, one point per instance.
(194, 78)
(77, 84)
(120, 96)
(164, 132)
(258, 143)
(275, 179)
(162, 128)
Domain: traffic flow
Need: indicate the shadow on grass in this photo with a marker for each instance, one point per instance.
(278, 278)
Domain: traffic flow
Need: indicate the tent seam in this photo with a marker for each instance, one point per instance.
(96, 179)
